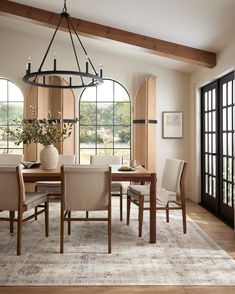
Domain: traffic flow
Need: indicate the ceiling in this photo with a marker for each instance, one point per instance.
(204, 24)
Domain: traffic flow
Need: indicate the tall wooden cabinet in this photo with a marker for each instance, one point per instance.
(53, 100)
(144, 124)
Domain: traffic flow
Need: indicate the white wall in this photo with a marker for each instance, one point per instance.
(225, 64)
(172, 86)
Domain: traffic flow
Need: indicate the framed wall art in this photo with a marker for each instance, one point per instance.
(172, 124)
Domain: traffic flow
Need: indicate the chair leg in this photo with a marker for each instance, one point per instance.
(184, 218)
(69, 223)
(19, 232)
(62, 232)
(47, 219)
(141, 212)
(167, 213)
(109, 232)
(121, 200)
(12, 215)
(35, 212)
(128, 210)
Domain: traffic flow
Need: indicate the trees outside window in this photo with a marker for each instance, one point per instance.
(11, 108)
(105, 121)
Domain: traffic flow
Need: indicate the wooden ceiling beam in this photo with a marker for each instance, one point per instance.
(156, 46)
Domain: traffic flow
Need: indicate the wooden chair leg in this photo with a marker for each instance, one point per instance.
(141, 212)
(19, 232)
(184, 218)
(128, 210)
(12, 215)
(62, 232)
(121, 200)
(35, 211)
(47, 219)
(69, 223)
(167, 213)
(109, 232)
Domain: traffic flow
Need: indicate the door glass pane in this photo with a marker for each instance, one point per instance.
(85, 155)
(214, 188)
(213, 99)
(224, 143)
(122, 137)
(229, 118)
(209, 100)
(230, 145)
(105, 152)
(229, 92)
(206, 122)
(224, 94)
(206, 101)
(224, 168)
(122, 114)
(224, 192)
(224, 119)
(229, 171)
(214, 143)
(213, 121)
(230, 196)
(209, 121)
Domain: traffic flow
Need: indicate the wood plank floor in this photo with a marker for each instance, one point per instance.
(217, 230)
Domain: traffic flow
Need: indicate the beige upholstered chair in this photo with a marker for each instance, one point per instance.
(169, 197)
(11, 159)
(13, 198)
(53, 188)
(85, 188)
(110, 160)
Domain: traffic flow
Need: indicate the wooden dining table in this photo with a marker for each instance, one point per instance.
(138, 175)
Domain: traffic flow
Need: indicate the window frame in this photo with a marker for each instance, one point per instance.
(97, 125)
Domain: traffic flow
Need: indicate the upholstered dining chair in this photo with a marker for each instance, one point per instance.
(171, 195)
(85, 188)
(13, 198)
(116, 186)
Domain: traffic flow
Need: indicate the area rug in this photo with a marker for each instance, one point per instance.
(176, 259)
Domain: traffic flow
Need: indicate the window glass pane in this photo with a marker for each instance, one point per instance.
(12, 140)
(3, 139)
(124, 153)
(214, 143)
(209, 121)
(121, 137)
(206, 101)
(225, 168)
(15, 112)
(206, 163)
(105, 152)
(230, 195)
(87, 137)
(3, 113)
(85, 155)
(120, 94)
(206, 122)
(105, 91)
(105, 137)
(229, 171)
(206, 142)
(89, 94)
(230, 145)
(87, 113)
(122, 114)
(206, 183)
(213, 122)
(214, 188)
(14, 93)
(104, 113)
(214, 165)
(3, 90)
(224, 192)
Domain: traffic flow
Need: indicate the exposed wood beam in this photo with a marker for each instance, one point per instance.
(156, 46)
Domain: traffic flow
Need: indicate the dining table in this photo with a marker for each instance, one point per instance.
(139, 174)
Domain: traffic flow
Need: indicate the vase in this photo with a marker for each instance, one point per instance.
(49, 157)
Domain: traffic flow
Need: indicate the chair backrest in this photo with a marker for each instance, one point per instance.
(86, 187)
(106, 160)
(66, 159)
(11, 187)
(11, 159)
(173, 174)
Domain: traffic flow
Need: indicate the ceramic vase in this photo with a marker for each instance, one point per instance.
(49, 157)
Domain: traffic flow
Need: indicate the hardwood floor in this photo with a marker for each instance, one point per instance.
(218, 231)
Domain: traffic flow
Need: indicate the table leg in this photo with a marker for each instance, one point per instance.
(152, 213)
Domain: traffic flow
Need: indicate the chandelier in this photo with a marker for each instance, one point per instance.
(73, 78)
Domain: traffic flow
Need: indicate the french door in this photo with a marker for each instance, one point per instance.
(217, 147)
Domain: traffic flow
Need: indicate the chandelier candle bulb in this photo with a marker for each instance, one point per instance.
(101, 70)
(55, 58)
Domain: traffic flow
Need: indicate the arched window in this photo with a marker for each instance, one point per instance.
(105, 121)
(11, 108)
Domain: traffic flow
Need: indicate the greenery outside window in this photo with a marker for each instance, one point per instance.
(11, 108)
(105, 121)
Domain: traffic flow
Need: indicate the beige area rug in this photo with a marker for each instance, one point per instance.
(176, 259)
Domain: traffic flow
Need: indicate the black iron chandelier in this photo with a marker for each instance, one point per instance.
(73, 78)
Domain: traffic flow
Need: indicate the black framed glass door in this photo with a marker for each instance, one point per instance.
(217, 147)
